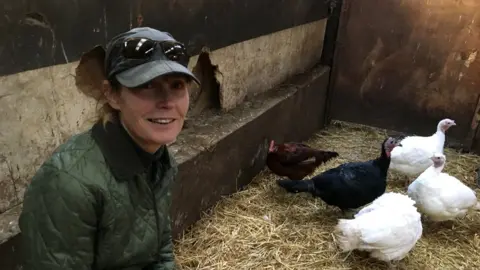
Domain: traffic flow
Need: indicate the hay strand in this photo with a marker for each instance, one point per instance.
(263, 227)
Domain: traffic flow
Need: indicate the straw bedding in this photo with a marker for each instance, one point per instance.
(263, 227)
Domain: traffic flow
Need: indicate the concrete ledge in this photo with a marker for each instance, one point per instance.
(220, 153)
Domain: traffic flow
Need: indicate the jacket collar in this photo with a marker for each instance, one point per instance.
(125, 158)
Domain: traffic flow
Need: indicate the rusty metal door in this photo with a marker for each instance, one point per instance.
(404, 65)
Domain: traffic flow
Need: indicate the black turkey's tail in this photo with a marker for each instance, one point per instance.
(295, 186)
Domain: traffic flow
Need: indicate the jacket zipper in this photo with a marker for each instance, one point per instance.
(157, 218)
(153, 185)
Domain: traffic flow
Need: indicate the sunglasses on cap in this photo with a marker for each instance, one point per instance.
(143, 48)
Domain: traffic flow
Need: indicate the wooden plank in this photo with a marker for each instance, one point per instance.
(341, 16)
(473, 137)
(43, 33)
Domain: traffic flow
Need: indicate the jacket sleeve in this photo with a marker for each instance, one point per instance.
(58, 222)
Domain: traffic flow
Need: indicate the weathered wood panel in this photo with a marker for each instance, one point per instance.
(38, 33)
(404, 65)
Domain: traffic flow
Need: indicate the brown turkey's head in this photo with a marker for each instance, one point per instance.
(272, 148)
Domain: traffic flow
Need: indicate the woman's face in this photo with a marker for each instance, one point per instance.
(153, 114)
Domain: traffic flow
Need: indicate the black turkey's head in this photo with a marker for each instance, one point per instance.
(389, 144)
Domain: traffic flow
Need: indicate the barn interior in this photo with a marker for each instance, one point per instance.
(336, 75)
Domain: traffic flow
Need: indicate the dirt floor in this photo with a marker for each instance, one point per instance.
(263, 227)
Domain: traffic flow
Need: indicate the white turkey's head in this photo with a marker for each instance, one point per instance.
(438, 160)
(445, 124)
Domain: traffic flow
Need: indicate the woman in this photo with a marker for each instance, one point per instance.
(102, 200)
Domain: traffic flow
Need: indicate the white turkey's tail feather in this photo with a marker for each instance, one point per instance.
(347, 234)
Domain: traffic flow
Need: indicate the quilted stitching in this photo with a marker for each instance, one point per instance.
(60, 217)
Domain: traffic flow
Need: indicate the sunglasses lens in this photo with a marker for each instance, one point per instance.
(175, 51)
(138, 48)
(141, 48)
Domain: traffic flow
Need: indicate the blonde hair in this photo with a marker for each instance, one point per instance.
(105, 112)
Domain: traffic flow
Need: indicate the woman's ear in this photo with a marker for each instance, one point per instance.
(112, 97)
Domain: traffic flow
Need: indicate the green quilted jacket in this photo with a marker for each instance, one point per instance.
(99, 203)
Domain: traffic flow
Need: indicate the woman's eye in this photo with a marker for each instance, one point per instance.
(177, 85)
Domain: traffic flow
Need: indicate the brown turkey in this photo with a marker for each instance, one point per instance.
(295, 160)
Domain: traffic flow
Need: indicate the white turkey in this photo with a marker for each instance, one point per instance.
(412, 155)
(441, 196)
(388, 228)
